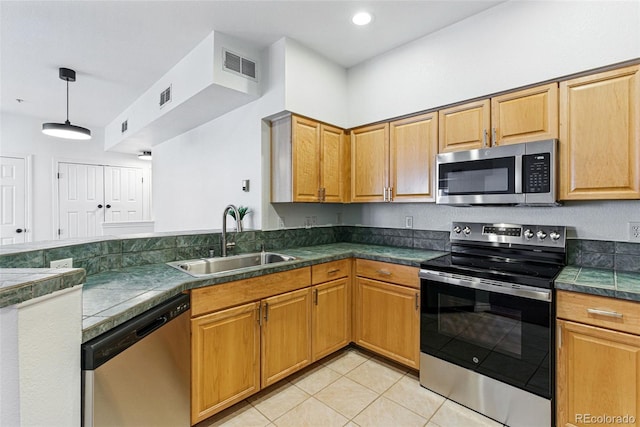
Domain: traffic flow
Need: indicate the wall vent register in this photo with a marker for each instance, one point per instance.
(240, 65)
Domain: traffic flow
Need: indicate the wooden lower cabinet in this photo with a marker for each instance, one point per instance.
(598, 376)
(387, 320)
(330, 317)
(225, 359)
(286, 335)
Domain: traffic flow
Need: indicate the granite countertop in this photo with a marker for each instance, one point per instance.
(603, 282)
(113, 297)
(21, 284)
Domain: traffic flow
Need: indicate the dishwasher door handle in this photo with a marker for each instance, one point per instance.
(150, 327)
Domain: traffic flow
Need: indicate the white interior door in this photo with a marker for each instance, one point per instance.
(123, 194)
(13, 200)
(81, 200)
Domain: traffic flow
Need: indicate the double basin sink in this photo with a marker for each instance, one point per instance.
(206, 266)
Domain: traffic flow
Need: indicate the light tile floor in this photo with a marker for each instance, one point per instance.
(350, 388)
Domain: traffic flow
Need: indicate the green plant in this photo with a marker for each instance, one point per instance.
(242, 211)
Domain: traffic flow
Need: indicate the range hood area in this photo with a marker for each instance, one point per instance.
(219, 75)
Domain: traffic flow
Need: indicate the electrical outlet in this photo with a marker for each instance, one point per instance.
(62, 263)
(634, 231)
(408, 222)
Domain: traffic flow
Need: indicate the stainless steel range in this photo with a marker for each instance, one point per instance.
(487, 317)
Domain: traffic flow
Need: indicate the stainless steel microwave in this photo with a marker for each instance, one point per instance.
(517, 174)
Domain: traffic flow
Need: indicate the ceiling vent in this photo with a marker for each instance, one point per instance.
(165, 96)
(239, 65)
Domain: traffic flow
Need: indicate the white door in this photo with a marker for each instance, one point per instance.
(81, 200)
(13, 200)
(122, 194)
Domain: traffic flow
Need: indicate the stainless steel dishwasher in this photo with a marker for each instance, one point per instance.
(138, 373)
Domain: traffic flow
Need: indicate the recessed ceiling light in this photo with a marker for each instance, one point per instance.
(361, 18)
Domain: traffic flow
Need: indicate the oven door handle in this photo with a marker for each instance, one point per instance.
(521, 291)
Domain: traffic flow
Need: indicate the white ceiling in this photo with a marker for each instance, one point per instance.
(120, 48)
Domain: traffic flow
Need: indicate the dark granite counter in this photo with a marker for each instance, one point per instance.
(21, 284)
(113, 297)
(597, 281)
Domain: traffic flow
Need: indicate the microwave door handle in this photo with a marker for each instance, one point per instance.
(518, 175)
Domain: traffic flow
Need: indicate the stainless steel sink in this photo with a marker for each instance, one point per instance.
(206, 266)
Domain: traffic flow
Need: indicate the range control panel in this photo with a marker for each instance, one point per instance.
(534, 235)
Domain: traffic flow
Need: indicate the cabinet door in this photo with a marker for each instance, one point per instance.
(524, 116)
(600, 136)
(332, 164)
(225, 352)
(464, 127)
(369, 163)
(286, 334)
(387, 320)
(412, 149)
(305, 135)
(598, 375)
(330, 317)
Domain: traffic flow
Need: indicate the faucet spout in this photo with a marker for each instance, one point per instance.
(224, 243)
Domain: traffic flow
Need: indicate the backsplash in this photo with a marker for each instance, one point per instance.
(96, 257)
(621, 256)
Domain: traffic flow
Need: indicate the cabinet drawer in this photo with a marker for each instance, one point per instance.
(327, 271)
(216, 297)
(386, 272)
(600, 311)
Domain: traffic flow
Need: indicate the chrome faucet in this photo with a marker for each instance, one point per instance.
(226, 245)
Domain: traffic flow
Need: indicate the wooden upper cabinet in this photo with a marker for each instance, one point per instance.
(369, 163)
(524, 116)
(464, 127)
(305, 136)
(334, 155)
(412, 150)
(600, 136)
(309, 161)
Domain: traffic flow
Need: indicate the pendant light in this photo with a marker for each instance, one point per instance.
(66, 129)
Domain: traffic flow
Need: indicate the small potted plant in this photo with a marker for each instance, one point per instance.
(242, 211)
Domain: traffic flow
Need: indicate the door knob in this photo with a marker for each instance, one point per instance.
(99, 206)
(108, 206)
(19, 230)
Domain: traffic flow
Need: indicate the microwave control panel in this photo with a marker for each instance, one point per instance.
(536, 173)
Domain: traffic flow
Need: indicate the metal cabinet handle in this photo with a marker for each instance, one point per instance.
(266, 311)
(334, 271)
(315, 296)
(493, 137)
(417, 301)
(384, 194)
(484, 138)
(260, 314)
(390, 198)
(607, 313)
(384, 272)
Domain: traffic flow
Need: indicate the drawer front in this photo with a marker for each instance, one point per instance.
(387, 272)
(600, 311)
(215, 297)
(327, 271)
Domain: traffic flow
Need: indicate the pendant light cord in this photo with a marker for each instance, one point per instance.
(68, 122)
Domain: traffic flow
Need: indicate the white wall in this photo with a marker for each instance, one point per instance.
(315, 87)
(514, 44)
(21, 135)
(197, 174)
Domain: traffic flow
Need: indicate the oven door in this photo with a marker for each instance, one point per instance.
(498, 330)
